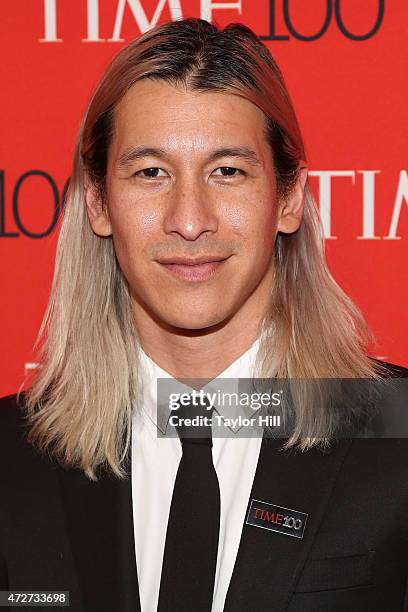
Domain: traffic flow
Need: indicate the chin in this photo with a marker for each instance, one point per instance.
(194, 321)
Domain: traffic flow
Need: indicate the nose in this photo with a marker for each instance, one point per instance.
(190, 210)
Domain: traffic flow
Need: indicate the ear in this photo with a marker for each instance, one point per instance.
(97, 213)
(291, 209)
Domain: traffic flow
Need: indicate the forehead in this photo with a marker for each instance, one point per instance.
(154, 112)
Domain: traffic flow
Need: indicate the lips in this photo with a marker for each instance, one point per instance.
(192, 261)
(196, 269)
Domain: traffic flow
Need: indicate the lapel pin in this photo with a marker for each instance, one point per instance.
(276, 518)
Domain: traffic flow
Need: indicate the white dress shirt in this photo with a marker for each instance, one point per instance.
(154, 467)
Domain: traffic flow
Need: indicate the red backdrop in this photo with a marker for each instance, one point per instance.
(345, 64)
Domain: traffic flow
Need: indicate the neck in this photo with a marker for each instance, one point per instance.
(194, 354)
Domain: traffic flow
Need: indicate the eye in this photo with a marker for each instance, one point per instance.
(149, 173)
(229, 171)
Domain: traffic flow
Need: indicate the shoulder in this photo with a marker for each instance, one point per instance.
(394, 370)
(12, 417)
(15, 449)
(10, 403)
(383, 448)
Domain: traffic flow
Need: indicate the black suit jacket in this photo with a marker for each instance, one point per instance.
(61, 531)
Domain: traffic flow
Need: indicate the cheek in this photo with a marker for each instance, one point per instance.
(133, 220)
(253, 219)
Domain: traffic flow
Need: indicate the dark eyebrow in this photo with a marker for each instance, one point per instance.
(241, 152)
(133, 153)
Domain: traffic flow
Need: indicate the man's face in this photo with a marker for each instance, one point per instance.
(192, 204)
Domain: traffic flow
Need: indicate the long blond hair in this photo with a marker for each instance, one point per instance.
(79, 405)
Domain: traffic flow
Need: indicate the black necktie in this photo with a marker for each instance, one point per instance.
(190, 553)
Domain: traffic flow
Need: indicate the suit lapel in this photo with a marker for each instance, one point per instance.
(99, 520)
(269, 563)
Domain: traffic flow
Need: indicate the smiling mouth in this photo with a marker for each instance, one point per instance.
(190, 270)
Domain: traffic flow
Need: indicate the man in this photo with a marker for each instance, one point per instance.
(190, 248)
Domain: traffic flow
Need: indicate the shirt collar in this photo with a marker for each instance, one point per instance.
(150, 372)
